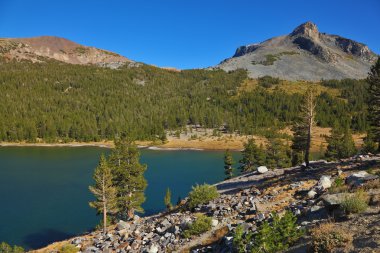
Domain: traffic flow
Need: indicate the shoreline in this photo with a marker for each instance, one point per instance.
(109, 144)
(203, 142)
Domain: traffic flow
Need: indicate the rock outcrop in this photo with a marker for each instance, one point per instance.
(304, 54)
(247, 200)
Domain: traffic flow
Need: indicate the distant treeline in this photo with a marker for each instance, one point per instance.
(87, 103)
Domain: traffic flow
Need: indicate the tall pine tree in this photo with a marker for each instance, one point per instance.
(374, 101)
(128, 178)
(228, 162)
(340, 143)
(168, 199)
(104, 191)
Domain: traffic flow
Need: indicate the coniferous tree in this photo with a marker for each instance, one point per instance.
(302, 129)
(128, 178)
(347, 148)
(333, 142)
(104, 191)
(370, 146)
(278, 154)
(168, 199)
(252, 156)
(228, 162)
(340, 143)
(374, 101)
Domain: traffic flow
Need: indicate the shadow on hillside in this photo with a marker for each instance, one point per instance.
(292, 175)
(45, 237)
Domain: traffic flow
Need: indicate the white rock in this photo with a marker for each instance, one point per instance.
(311, 194)
(262, 169)
(153, 249)
(214, 222)
(325, 182)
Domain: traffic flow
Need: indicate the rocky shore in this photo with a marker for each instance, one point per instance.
(246, 200)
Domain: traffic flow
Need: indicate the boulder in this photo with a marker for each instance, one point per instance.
(214, 222)
(311, 194)
(325, 182)
(359, 178)
(262, 169)
(153, 249)
(315, 208)
(121, 225)
(334, 199)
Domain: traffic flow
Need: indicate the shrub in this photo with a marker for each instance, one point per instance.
(200, 225)
(68, 248)
(268, 81)
(241, 241)
(338, 186)
(6, 248)
(327, 238)
(202, 194)
(356, 203)
(271, 237)
(374, 184)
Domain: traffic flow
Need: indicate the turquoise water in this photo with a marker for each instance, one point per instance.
(44, 191)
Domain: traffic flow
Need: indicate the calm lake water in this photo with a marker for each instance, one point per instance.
(44, 191)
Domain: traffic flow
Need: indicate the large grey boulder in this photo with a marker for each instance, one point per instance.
(334, 199)
(359, 178)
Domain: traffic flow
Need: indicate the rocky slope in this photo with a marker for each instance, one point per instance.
(39, 49)
(304, 54)
(248, 200)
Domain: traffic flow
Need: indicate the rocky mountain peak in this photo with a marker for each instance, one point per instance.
(303, 54)
(308, 29)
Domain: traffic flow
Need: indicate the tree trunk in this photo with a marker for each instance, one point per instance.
(308, 144)
(105, 219)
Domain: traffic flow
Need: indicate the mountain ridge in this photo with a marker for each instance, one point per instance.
(304, 54)
(58, 48)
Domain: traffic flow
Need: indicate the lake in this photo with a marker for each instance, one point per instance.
(44, 191)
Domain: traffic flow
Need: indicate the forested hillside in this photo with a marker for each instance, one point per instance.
(57, 101)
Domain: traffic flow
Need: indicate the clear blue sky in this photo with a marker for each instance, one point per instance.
(185, 34)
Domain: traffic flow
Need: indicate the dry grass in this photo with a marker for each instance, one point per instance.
(374, 184)
(289, 87)
(328, 238)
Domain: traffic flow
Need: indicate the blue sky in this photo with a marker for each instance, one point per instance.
(185, 34)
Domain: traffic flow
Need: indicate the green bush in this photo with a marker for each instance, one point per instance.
(356, 203)
(241, 241)
(326, 238)
(270, 237)
(6, 248)
(200, 225)
(268, 81)
(202, 194)
(68, 248)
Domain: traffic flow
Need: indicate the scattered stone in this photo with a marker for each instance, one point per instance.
(325, 182)
(262, 169)
(122, 225)
(214, 222)
(311, 194)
